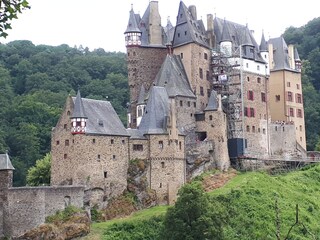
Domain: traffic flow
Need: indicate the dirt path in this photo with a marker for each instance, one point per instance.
(217, 180)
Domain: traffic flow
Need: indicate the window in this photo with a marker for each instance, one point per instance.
(253, 129)
(299, 113)
(194, 104)
(93, 140)
(162, 164)
(247, 65)
(248, 79)
(68, 113)
(114, 157)
(105, 174)
(291, 112)
(65, 156)
(250, 95)
(180, 145)
(161, 144)
(300, 128)
(210, 117)
(252, 112)
(112, 141)
(189, 104)
(288, 84)
(208, 92)
(57, 142)
(137, 147)
(205, 56)
(178, 34)
(201, 73)
(181, 55)
(248, 128)
(258, 80)
(185, 33)
(277, 98)
(66, 142)
(160, 185)
(65, 126)
(246, 112)
(263, 97)
(299, 98)
(123, 141)
(289, 96)
(181, 104)
(258, 67)
(264, 131)
(201, 91)
(208, 75)
(298, 86)
(98, 157)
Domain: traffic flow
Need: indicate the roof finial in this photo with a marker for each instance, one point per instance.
(131, 6)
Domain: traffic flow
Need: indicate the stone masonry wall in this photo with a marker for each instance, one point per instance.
(167, 167)
(28, 207)
(143, 65)
(96, 161)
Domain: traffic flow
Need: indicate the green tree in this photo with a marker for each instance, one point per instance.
(9, 10)
(194, 216)
(41, 172)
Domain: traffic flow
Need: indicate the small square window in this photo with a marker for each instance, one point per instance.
(57, 142)
(93, 140)
(105, 174)
(112, 141)
(114, 157)
(123, 141)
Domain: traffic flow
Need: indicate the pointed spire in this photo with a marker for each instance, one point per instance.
(246, 38)
(263, 45)
(296, 55)
(225, 33)
(142, 95)
(78, 111)
(132, 24)
(5, 163)
(213, 103)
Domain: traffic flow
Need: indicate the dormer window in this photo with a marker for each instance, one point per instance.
(100, 123)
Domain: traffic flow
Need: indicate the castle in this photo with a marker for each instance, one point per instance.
(199, 97)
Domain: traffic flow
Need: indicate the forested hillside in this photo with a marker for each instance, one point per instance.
(34, 84)
(307, 40)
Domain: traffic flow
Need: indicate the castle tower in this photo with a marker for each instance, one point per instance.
(226, 41)
(191, 43)
(6, 171)
(146, 51)
(78, 118)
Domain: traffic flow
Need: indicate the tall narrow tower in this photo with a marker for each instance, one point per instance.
(146, 51)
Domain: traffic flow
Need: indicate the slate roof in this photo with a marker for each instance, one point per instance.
(213, 103)
(189, 30)
(5, 163)
(263, 44)
(296, 55)
(102, 118)
(157, 111)
(173, 78)
(239, 34)
(132, 24)
(135, 134)
(280, 54)
(78, 111)
(142, 95)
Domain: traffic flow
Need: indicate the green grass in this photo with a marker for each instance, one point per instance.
(249, 199)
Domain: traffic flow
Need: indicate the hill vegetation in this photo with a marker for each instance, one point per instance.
(252, 205)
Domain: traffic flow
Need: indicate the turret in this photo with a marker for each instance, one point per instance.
(6, 172)
(247, 44)
(132, 33)
(226, 42)
(264, 52)
(141, 104)
(78, 118)
(297, 60)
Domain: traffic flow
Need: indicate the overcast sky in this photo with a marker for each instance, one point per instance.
(101, 23)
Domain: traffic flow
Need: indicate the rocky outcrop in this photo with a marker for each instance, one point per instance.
(77, 225)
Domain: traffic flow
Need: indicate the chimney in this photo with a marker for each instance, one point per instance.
(210, 30)
(193, 11)
(155, 24)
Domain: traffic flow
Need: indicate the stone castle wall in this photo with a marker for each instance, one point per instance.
(27, 207)
(143, 65)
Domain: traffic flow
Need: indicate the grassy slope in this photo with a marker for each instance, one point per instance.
(250, 200)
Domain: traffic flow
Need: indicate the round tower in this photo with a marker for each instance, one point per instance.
(226, 41)
(6, 172)
(78, 118)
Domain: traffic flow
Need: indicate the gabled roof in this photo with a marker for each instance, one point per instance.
(102, 118)
(263, 44)
(173, 78)
(189, 30)
(239, 34)
(157, 111)
(132, 24)
(5, 163)
(78, 111)
(213, 103)
(280, 54)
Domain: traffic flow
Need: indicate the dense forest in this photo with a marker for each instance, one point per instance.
(34, 84)
(35, 81)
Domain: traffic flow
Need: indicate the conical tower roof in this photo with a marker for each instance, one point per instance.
(142, 95)
(5, 163)
(213, 103)
(296, 55)
(263, 45)
(132, 24)
(78, 111)
(225, 37)
(246, 40)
